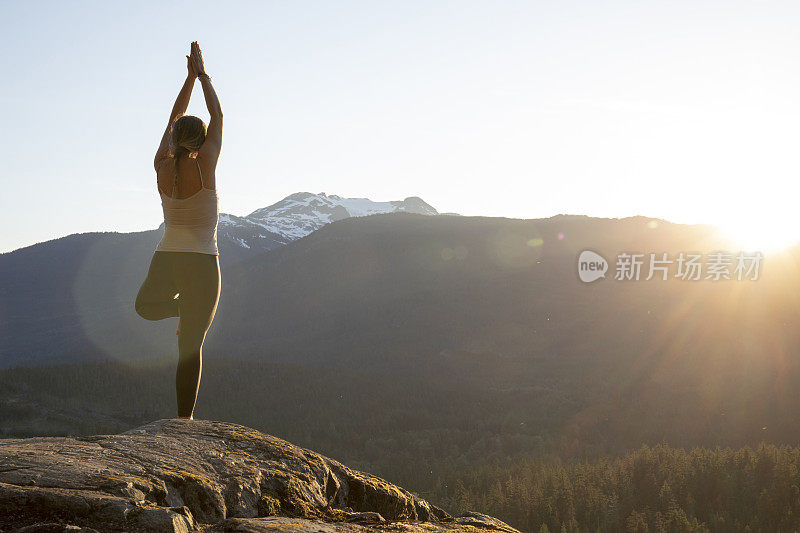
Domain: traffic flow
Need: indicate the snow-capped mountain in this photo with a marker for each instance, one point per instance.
(296, 216)
(301, 213)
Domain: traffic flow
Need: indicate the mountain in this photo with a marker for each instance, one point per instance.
(299, 214)
(203, 475)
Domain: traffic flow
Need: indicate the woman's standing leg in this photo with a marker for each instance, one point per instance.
(156, 297)
(198, 279)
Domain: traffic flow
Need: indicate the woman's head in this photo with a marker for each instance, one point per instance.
(187, 135)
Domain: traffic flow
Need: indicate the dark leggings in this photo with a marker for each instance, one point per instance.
(185, 284)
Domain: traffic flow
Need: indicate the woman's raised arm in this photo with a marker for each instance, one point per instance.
(213, 143)
(178, 109)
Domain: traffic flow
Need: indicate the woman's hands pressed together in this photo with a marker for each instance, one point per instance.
(196, 58)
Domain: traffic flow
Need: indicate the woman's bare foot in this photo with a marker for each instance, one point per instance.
(190, 417)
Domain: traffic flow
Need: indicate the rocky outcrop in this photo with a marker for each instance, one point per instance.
(202, 475)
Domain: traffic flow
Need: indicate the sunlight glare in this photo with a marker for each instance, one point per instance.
(764, 234)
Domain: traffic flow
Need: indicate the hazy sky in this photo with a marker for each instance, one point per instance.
(684, 110)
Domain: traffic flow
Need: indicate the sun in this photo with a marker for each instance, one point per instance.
(768, 235)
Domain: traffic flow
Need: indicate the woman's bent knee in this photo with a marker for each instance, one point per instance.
(148, 311)
(142, 310)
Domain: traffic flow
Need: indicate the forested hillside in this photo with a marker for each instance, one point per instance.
(459, 447)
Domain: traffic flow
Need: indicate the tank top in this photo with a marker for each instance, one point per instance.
(190, 224)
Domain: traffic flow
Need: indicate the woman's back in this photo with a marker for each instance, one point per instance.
(192, 175)
(191, 213)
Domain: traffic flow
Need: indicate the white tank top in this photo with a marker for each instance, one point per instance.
(190, 224)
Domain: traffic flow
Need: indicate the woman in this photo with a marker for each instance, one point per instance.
(184, 278)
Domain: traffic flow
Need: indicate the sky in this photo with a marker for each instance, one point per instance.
(681, 110)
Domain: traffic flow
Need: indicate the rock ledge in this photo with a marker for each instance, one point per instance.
(202, 475)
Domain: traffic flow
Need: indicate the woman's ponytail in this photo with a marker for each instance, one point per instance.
(187, 136)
